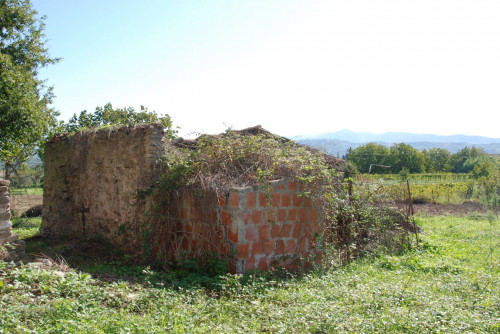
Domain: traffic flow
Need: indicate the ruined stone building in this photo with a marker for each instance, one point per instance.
(97, 184)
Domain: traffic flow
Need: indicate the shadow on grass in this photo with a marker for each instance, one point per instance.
(107, 264)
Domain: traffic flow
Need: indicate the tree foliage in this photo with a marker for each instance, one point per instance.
(107, 115)
(25, 116)
(405, 158)
(371, 153)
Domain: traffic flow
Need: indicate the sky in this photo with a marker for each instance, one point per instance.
(294, 67)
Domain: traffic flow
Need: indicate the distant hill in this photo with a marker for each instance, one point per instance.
(337, 143)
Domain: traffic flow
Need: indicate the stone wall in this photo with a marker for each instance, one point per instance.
(92, 181)
(11, 248)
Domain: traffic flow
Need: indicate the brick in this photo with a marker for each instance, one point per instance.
(264, 232)
(307, 230)
(258, 248)
(185, 244)
(221, 202)
(251, 200)
(291, 246)
(292, 186)
(297, 230)
(225, 247)
(262, 265)
(280, 247)
(281, 187)
(225, 217)
(243, 251)
(275, 231)
(316, 227)
(286, 200)
(269, 216)
(302, 215)
(302, 246)
(212, 217)
(307, 202)
(194, 245)
(234, 200)
(296, 200)
(286, 230)
(245, 217)
(281, 216)
(292, 215)
(219, 234)
(251, 233)
(256, 217)
(313, 215)
(263, 200)
(275, 200)
(232, 234)
(250, 263)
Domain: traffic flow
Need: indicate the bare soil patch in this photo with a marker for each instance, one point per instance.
(434, 209)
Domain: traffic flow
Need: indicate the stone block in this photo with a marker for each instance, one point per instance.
(4, 215)
(4, 224)
(4, 199)
(3, 189)
(4, 183)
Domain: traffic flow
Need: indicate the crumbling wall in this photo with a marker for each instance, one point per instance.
(97, 185)
(11, 248)
(92, 181)
(253, 227)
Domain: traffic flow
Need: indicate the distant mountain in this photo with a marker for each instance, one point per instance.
(337, 143)
(399, 137)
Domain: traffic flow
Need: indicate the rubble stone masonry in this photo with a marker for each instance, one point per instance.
(10, 247)
(93, 180)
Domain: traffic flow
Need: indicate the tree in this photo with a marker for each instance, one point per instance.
(487, 174)
(438, 160)
(107, 115)
(464, 160)
(363, 156)
(406, 156)
(25, 117)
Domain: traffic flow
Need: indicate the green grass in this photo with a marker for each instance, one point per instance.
(26, 227)
(26, 191)
(451, 284)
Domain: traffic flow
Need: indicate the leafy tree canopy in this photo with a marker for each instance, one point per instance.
(365, 155)
(108, 115)
(25, 117)
(404, 157)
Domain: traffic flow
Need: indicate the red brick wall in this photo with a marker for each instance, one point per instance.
(255, 228)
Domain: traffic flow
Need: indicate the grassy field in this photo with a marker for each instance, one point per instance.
(26, 191)
(451, 284)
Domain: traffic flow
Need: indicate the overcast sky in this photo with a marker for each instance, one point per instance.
(295, 67)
